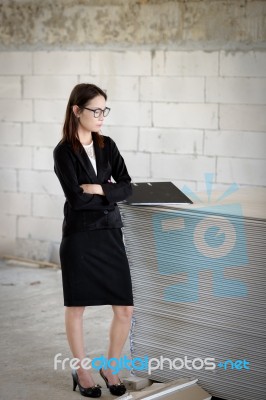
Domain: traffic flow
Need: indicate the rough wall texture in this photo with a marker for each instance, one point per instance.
(68, 24)
(186, 82)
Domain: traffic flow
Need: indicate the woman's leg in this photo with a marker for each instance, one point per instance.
(119, 331)
(74, 331)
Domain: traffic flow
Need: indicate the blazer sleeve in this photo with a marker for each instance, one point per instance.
(65, 170)
(122, 189)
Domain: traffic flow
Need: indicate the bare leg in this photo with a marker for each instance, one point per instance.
(119, 331)
(74, 331)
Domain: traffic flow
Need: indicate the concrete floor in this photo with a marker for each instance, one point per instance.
(32, 333)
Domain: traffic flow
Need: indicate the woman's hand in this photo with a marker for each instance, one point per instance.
(92, 188)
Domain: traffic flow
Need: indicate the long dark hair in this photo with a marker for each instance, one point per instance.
(80, 96)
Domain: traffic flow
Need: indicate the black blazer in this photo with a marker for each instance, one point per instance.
(83, 211)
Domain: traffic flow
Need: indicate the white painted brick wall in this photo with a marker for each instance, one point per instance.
(43, 158)
(129, 114)
(126, 137)
(180, 167)
(48, 87)
(15, 203)
(8, 180)
(10, 87)
(171, 115)
(185, 90)
(243, 117)
(41, 134)
(236, 90)
(241, 171)
(186, 63)
(30, 181)
(117, 88)
(8, 228)
(49, 111)
(15, 63)
(7, 244)
(134, 63)
(138, 164)
(14, 110)
(161, 140)
(10, 133)
(47, 205)
(251, 63)
(49, 229)
(235, 144)
(61, 62)
(15, 157)
(175, 115)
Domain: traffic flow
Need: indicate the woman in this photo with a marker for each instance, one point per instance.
(95, 268)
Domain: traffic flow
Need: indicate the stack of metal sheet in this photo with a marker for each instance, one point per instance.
(199, 282)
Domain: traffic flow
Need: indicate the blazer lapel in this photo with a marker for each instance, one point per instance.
(87, 165)
(101, 162)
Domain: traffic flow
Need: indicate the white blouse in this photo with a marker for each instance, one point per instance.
(89, 148)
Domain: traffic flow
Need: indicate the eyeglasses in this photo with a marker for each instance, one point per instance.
(98, 111)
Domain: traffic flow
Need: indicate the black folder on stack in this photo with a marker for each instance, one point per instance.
(155, 193)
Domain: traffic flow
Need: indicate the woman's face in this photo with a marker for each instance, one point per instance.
(88, 122)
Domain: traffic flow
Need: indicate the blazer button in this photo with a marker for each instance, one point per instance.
(106, 211)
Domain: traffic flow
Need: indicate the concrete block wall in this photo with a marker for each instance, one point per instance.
(176, 115)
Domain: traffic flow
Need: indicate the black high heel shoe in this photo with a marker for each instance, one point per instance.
(93, 391)
(117, 390)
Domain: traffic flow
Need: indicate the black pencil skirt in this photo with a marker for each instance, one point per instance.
(95, 269)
